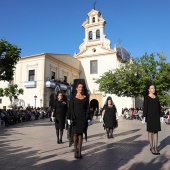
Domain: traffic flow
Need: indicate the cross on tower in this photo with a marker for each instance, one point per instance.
(94, 5)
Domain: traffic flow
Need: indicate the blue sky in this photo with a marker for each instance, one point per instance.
(54, 26)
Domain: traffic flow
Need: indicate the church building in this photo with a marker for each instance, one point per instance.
(97, 57)
(39, 75)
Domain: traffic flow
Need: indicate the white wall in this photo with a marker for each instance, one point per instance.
(105, 63)
(43, 64)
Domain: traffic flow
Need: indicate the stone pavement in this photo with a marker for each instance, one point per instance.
(32, 146)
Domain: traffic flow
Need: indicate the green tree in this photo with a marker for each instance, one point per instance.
(9, 56)
(1, 92)
(130, 79)
(12, 92)
(166, 98)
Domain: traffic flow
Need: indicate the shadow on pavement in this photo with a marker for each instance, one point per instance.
(164, 143)
(98, 155)
(156, 163)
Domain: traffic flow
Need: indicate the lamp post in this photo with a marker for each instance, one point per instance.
(35, 97)
(40, 102)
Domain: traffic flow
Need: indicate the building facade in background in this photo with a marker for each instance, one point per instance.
(42, 74)
(97, 57)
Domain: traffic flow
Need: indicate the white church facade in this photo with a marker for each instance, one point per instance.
(49, 70)
(96, 57)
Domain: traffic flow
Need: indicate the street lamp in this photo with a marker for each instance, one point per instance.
(40, 102)
(35, 97)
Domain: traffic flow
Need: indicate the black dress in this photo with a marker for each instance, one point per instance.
(79, 114)
(60, 110)
(110, 117)
(152, 112)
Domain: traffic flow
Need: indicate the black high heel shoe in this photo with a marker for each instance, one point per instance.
(157, 153)
(154, 153)
(76, 155)
(61, 141)
(151, 150)
(79, 155)
(108, 137)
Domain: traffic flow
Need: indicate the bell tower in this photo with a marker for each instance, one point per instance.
(94, 31)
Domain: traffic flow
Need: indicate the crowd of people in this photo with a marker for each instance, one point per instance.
(18, 115)
(132, 113)
(166, 115)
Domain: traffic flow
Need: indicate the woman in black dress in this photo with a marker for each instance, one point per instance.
(110, 116)
(79, 114)
(59, 111)
(152, 115)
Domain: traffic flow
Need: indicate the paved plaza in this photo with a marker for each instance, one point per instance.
(33, 146)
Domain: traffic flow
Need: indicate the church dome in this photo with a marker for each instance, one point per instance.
(123, 53)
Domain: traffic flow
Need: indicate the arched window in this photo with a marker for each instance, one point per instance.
(93, 20)
(98, 34)
(90, 35)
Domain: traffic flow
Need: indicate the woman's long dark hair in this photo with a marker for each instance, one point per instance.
(75, 85)
(64, 98)
(148, 84)
(71, 115)
(106, 102)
